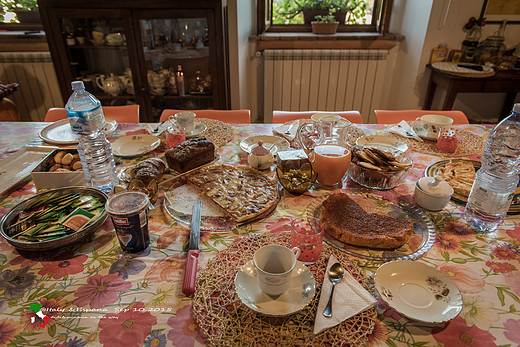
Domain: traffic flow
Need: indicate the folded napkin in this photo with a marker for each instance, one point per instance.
(291, 127)
(350, 298)
(405, 130)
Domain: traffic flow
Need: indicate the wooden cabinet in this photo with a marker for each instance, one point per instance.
(131, 52)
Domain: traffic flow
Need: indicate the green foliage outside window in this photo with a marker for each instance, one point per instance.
(290, 11)
(12, 5)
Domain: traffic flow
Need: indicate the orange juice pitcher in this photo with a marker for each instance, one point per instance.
(325, 143)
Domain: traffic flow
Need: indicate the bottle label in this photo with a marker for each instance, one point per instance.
(86, 121)
(488, 201)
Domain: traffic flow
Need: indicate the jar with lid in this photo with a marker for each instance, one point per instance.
(470, 43)
(492, 48)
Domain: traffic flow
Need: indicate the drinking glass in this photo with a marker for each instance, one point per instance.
(307, 235)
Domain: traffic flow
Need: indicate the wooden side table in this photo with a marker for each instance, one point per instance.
(502, 82)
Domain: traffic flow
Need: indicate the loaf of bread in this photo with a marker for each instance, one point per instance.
(190, 154)
(148, 170)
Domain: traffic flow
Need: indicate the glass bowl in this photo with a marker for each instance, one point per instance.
(375, 179)
(296, 180)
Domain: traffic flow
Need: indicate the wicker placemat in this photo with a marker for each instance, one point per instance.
(217, 131)
(468, 143)
(226, 321)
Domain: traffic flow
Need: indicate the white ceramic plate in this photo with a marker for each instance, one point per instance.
(382, 142)
(135, 145)
(197, 129)
(300, 293)
(60, 133)
(18, 166)
(418, 291)
(269, 140)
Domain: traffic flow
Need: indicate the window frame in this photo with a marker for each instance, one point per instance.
(382, 7)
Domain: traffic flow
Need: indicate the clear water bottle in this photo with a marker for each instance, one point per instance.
(497, 179)
(88, 122)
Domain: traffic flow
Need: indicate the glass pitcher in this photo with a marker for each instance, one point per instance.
(325, 142)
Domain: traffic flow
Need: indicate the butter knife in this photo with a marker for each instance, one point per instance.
(190, 274)
(409, 131)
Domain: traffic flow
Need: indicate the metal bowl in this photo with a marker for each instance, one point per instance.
(81, 235)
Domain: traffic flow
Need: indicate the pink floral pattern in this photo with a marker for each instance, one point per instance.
(101, 290)
(183, 332)
(465, 278)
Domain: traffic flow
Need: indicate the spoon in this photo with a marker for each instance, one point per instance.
(335, 276)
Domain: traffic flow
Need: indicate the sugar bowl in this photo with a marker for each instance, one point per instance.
(432, 193)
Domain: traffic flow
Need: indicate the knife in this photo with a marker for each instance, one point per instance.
(190, 274)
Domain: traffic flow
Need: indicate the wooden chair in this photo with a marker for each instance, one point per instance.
(395, 116)
(227, 116)
(287, 116)
(121, 114)
(8, 111)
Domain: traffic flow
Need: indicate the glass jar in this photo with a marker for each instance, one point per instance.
(491, 50)
(470, 43)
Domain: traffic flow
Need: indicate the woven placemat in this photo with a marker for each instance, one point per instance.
(226, 321)
(217, 131)
(468, 143)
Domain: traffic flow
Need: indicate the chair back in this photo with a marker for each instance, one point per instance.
(121, 114)
(227, 116)
(287, 116)
(8, 111)
(395, 116)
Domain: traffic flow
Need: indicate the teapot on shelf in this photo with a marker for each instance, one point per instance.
(111, 85)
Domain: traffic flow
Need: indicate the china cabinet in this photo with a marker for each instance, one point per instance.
(156, 53)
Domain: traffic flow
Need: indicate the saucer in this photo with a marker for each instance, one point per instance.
(382, 142)
(135, 145)
(418, 291)
(197, 129)
(420, 132)
(300, 293)
(268, 140)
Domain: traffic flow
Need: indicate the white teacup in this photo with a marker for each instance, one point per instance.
(274, 265)
(185, 120)
(429, 125)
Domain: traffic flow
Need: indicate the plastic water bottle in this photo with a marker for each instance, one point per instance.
(88, 122)
(497, 179)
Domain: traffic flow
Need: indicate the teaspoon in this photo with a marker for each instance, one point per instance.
(335, 276)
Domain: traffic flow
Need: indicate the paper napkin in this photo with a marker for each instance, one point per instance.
(350, 298)
(292, 127)
(405, 130)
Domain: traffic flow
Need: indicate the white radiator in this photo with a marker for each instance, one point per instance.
(38, 90)
(323, 80)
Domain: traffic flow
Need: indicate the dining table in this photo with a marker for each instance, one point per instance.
(93, 293)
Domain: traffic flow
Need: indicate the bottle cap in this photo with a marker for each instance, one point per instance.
(516, 108)
(77, 85)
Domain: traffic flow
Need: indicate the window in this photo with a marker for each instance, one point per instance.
(296, 15)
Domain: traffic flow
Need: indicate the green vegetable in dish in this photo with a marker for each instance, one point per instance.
(41, 220)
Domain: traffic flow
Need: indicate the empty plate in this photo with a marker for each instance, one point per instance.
(268, 140)
(418, 291)
(135, 145)
(60, 133)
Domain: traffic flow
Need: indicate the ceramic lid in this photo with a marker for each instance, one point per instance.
(435, 186)
(260, 149)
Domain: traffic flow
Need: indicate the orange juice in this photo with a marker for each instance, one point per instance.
(330, 162)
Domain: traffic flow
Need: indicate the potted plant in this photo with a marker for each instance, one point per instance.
(26, 10)
(325, 24)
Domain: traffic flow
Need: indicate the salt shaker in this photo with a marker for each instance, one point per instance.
(174, 135)
(447, 140)
(260, 157)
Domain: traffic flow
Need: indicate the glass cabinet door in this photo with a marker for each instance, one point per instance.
(98, 55)
(177, 58)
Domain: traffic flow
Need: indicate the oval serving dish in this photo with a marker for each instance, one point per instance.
(81, 235)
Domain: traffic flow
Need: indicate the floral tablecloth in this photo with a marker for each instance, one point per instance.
(93, 294)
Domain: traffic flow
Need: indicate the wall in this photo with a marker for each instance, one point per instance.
(425, 23)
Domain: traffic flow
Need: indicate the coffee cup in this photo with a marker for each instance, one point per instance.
(429, 126)
(274, 265)
(186, 120)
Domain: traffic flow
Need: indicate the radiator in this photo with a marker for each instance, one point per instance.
(323, 80)
(38, 90)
